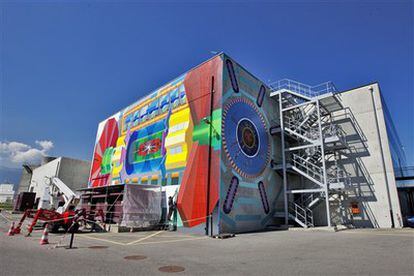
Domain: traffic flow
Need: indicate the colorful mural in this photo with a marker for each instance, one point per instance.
(164, 139)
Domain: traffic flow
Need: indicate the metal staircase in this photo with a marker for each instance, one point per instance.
(301, 215)
(308, 169)
(310, 138)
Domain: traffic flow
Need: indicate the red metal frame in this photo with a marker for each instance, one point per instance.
(50, 216)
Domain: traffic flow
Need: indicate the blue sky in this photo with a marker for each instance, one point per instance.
(65, 67)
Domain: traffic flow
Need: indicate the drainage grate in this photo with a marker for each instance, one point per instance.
(98, 247)
(135, 257)
(171, 268)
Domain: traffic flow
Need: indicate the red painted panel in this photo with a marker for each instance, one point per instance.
(191, 202)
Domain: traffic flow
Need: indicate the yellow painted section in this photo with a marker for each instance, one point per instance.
(116, 157)
(176, 139)
(179, 139)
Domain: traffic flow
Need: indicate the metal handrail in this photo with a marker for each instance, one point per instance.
(304, 89)
(347, 114)
(339, 175)
(310, 168)
(304, 214)
(292, 124)
(334, 130)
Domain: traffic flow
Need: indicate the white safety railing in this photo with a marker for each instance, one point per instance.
(302, 215)
(308, 168)
(304, 89)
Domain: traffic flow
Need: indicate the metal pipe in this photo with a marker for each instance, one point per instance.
(209, 156)
(328, 212)
(282, 134)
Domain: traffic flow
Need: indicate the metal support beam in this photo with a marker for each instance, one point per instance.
(301, 147)
(325, 177)
(282, 136)
(299, 105)
(279, 92)
(304, 191)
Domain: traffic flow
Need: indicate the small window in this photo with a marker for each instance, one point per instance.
(261, 95)
(176, 150)
(232, 76)
(263, 197)
(183, 96)
(231, 195)
(174, 181)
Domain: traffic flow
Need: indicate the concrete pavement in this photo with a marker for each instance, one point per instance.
(350, 252)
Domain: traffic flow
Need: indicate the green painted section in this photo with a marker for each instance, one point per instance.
(141, 158)
(106, 165)
(201, 132)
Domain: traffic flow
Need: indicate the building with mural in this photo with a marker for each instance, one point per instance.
(213, 140)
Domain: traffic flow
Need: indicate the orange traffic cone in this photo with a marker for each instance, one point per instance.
(45, 239)
(11, 229)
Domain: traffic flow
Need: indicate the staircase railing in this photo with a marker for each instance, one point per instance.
(339, 175)
(293, 125)
(311, 200)
(346, 113)
(308, 168)
(303, 89)
(302, 215)
(332, 130)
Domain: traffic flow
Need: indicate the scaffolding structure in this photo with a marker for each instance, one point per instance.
(312, 143)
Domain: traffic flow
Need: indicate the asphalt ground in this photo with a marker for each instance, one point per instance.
(349, 252)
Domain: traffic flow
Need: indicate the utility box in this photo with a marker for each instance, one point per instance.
(24, 201)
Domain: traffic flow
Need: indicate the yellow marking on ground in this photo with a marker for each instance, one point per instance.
(380, 234)
(144, 238)
(99, 239)
(187, 239)
(181, 237)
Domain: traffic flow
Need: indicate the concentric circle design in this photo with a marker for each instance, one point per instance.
(245, 138)
(248, 137)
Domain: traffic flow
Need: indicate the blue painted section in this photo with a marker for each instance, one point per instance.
(248, 217)
(225, 219)
(247, 160)
(248, 185)
(265, 221)
(247, 200)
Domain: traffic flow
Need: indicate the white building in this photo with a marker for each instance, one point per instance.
(74, 173)
(6, 192)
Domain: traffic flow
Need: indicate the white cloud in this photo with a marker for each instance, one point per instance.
(14, 154)
(45, 144)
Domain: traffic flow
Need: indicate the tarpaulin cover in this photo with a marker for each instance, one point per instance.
(141, 206)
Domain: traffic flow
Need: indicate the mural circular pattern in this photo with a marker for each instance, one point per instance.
(248, 137)
(245, 138)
